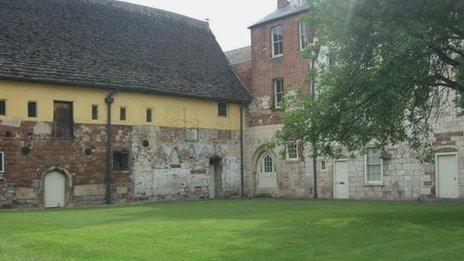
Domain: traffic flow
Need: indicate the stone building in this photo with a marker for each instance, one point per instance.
(272, 66)
(103, 101)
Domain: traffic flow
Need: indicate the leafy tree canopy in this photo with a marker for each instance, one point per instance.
(390, 63)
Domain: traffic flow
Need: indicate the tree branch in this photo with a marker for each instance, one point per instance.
(445, 58)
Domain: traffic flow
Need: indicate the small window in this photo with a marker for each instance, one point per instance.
(277, 41)
(292, 152)
(222, 109)
(267, 165)
(304, 35)
(122, 114)
(323, 165)
(94, 112)
(2, 162)
(32, 109)
(149, 115)
(2, 107)
(278, 92)
(120, 160)
(373, 166)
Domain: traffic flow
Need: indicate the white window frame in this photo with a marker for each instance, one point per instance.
(281, 92)
(297, 151)
(2, 163)
(376, 182)
(273, 42)
(303, 35)
(263, 165)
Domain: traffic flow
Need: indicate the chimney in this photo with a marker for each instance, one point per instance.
(281, 3)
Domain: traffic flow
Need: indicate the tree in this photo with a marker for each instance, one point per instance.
(392, 64)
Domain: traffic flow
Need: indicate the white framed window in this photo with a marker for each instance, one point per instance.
(277, 41)
(292, 152)
(267, 165)
(373, 166)
(304, 35)
(2, 162)
(278, 91)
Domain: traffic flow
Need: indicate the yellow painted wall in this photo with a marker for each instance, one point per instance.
(167, 111)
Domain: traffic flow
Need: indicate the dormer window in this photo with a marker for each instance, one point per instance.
(277, 41)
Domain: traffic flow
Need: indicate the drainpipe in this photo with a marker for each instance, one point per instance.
(242, 183)
(313, 96)
(109, 149)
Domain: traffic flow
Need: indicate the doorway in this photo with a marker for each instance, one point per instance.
(341, 185)
(447, 175)
(54, 190)
(215, 178)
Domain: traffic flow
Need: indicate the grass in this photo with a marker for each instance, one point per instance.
(237, 230)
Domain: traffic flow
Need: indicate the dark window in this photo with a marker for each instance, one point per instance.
(278, 92)
(32, 109)
(94, 112)
(323, 166)
(120, 160)
(63, 123)
(2, 162)
(277, 41)
(3, 107)
(222, 109)
(149, 115)
(122, 114)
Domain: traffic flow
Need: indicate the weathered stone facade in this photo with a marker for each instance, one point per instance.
(32, 152)
(165, 163)
(185, 163)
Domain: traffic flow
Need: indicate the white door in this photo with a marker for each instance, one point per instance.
(447, 176)
(54, 190)
(267, 177)
(341, 186)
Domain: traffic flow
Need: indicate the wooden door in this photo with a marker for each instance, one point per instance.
(447, 175)
(341, 185)
(55, 190)
(63, 123)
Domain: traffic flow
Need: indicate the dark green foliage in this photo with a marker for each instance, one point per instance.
(392, 63)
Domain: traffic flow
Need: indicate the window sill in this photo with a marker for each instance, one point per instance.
(293, 160)
(374, 184)
(276, 57)
(63, 138)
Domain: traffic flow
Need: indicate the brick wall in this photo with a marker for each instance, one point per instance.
(31, 152)
(291, 67)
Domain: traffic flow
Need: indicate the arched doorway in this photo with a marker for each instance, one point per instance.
(54, 189)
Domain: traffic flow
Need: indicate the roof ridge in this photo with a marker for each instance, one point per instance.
(147, 9)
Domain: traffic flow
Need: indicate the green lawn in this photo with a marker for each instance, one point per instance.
(237, 230)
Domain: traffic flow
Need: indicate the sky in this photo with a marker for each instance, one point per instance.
(229, 19)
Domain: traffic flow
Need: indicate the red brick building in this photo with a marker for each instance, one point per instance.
(271, 67)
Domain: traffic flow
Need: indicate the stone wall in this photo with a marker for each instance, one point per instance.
(165, 163)
(405, 177)
(177, 163)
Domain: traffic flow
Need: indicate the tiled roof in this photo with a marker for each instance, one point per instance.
(113, 45)
(287, 10)
(239, 55)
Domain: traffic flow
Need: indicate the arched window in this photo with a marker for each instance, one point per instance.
(267, 165)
